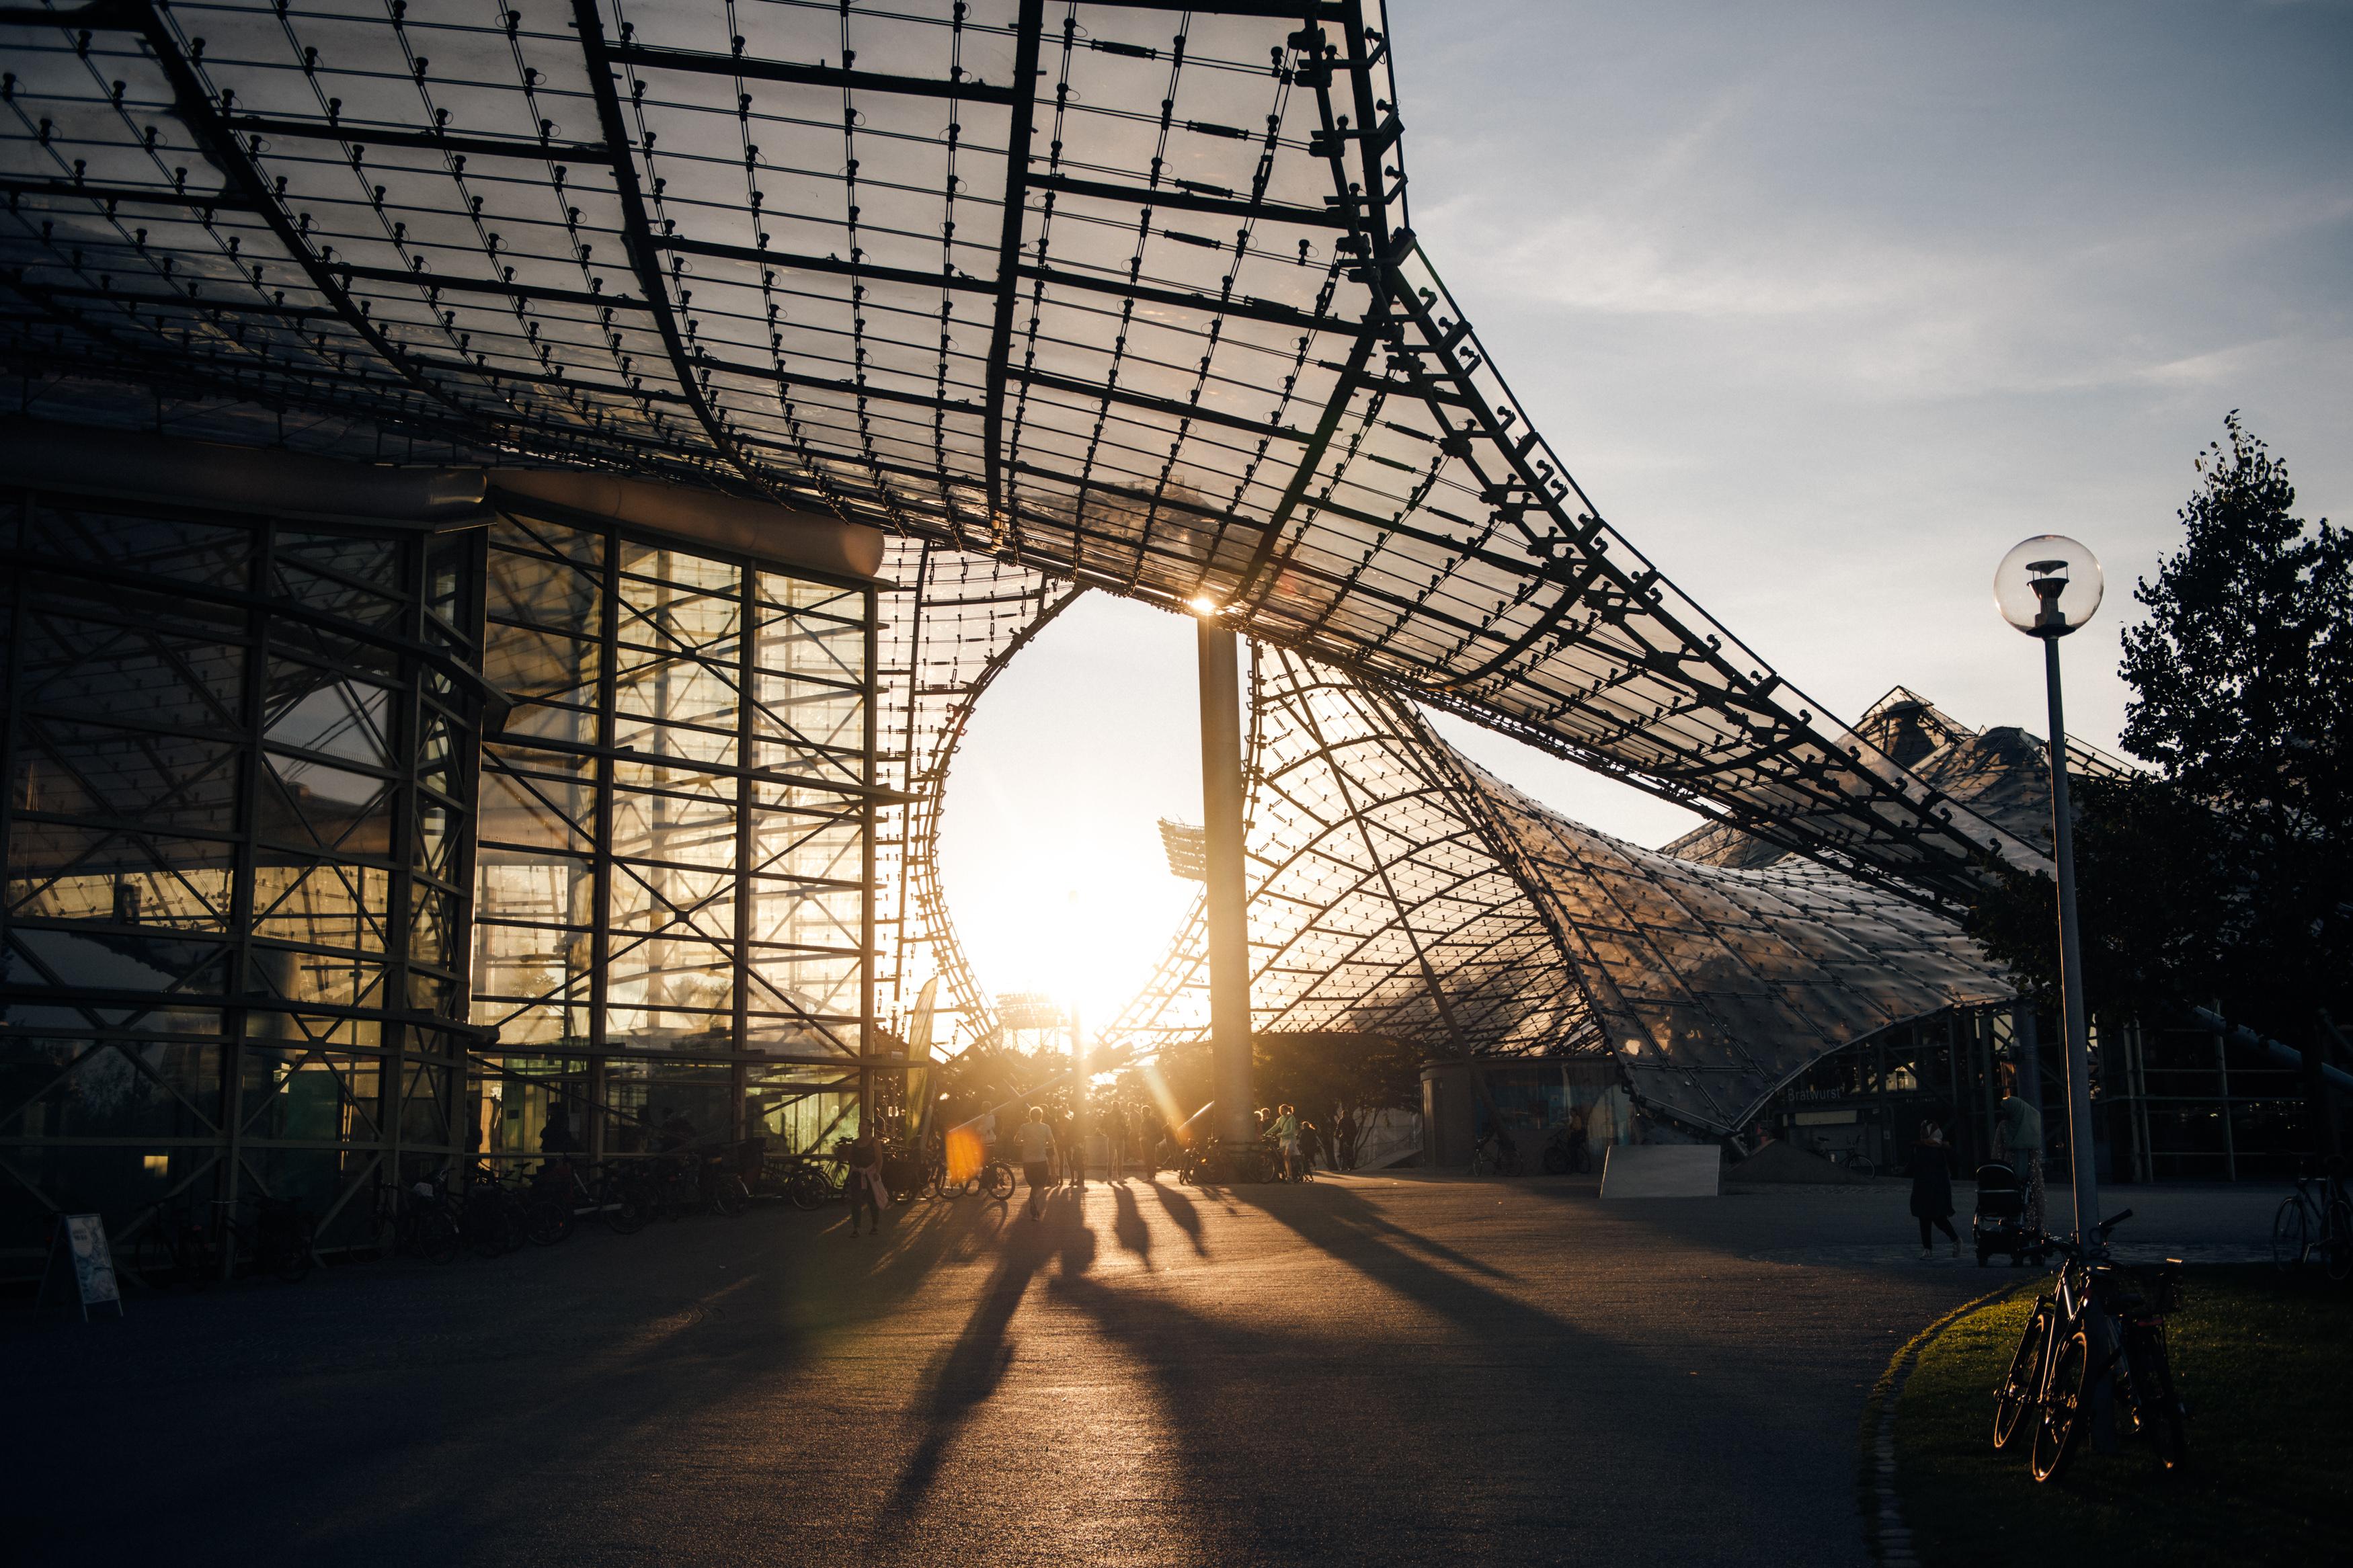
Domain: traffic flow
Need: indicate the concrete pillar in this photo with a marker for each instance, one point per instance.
(1227, 900)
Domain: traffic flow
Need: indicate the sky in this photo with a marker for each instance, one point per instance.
(1826, 306)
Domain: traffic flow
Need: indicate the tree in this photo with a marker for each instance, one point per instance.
(2151, 880)
(2228, 871)
(1327, 1074)
(2242, 678)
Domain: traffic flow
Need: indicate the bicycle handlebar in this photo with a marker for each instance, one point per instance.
(2099, 1234)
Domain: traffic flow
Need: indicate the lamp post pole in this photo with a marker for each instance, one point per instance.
(2046, 587)
(2071, 963)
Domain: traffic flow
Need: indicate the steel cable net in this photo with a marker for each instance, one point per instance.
(1398, 888)
(950, 621)
(1122, 296)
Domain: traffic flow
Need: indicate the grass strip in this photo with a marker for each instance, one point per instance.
(2265, 1363)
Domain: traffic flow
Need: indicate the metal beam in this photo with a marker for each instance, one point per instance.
(156, 195)
(455, 284)
(195, 106)
(1241, 305)
(345, 131)
(751, 69)
(637, 239)
(1302, 476)
(1191, 201)
(791, 262)
(1168, 406)
(1029, 28)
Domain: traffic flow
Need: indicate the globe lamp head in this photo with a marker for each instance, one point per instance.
(2048, 585)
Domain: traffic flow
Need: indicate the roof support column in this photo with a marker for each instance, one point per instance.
(1228, 899)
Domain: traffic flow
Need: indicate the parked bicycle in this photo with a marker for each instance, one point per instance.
(410, 1220)
(174, 1250)
(1567, 1151)
(2100, 1324)
(1495, 1154)
(1856, 1162)
(2313, 1226)
(1211, 1159)
(280, 1239)
(806, 1181)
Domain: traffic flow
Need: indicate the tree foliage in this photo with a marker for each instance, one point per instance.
(1328, 1074)
(2229, 872)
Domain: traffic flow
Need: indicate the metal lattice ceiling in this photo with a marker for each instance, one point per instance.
(1396, 888)
(1123, 295)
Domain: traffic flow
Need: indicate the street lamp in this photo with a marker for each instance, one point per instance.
(2046, 587)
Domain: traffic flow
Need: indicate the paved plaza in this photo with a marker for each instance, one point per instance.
(1392, 1369)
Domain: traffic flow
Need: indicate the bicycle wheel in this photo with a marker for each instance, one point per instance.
(157, 1260)
(2291, 1231)
(435, 1236)
(1000, 1180)
(2062, 1409)
(551, 1222)
(623, 1208)
(729, 1197)
(807, 1187)
(293, 1260)
(1861, 1166)
(2156, 1408)
(1556, 1161)
(2016, 1394)
(485, 1230)
(2336, 1247)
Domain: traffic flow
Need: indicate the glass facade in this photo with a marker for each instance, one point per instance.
(282, 918)
(676, 834)
(238, 765)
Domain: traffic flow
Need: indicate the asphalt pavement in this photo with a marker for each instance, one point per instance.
(1389, 1369)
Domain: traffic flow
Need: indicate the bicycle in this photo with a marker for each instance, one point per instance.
(410, 1220)
(1503, 1161)
(281, 1238)
(2097, 1323)
(1566, 1152)
(808, 1184)
(2315, 1224)
(723, 1190)
(1213, 1160)
(1856, 1162)
(175, 1250)
(533, 1213)
(995, 1180)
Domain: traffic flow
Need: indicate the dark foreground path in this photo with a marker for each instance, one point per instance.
(1369, 1370)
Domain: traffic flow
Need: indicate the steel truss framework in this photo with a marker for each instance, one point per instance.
(238, 820)
(1399, 890)
(951, 620)
(1123, 296)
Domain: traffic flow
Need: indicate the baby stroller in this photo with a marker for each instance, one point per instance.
(2000, 1223)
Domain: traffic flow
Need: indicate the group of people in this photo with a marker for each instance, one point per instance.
(2018, 1143)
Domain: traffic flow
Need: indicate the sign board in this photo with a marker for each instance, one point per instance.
(1661, 1171)
(82, 1238)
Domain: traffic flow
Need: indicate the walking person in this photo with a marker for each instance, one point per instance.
(1286, 1133)
(865, 1184)
(1932, 1188)
(1035, 1142)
